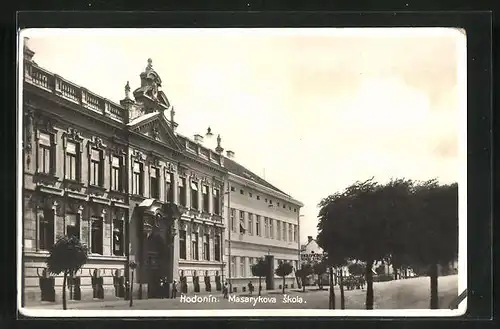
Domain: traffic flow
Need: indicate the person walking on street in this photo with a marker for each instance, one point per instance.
(225, 290)
(174, 289)
(250, 287)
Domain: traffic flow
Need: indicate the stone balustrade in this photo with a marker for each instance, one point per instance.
(57, 85)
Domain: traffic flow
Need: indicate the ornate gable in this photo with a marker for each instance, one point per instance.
(156, 128)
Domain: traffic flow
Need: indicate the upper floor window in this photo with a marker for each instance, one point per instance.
(257, 226)
(216, 201)
(169, 187)
(205, 198)
(182, 244)
(217, 248)
(116, 173)
(73, 225)
(154, 184)
(137, 183)
(194, 195)
(233, 220)
(46, 230)
(266, 227)
(284, 206)
(72, 163)
(118, 237)
(45, 154)
(96, 168)
(278, 230)
(241, 192)
(206, 247)
(250, 194)
(182, 191)
(258, 197)
(294, 209)
(194, 249)
(250, 224)
(284, 231)
(233, 189)
(271, 228)
(242, 222)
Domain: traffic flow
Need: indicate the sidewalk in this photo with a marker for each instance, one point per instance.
(109, 303)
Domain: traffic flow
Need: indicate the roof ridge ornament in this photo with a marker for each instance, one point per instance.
(219, 148)
(127, 90)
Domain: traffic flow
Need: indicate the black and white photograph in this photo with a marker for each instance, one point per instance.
(242, 172)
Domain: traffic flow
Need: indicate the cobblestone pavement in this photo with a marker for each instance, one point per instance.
(401, 294)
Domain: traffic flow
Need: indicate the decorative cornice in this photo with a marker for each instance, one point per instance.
(138, 155)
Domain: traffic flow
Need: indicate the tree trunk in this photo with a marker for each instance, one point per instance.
(64, 290)
(395, 273)
(131, 292)
(332, 292)
(283, 284)
(433, 273)
(260, 284)
(342, 297)
(369, 285)
(303, 279)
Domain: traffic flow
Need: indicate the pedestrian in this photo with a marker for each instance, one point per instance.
(174, 289)
(224, 290)
(250, 287)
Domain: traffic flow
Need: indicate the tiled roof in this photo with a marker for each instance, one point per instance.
(237, 169)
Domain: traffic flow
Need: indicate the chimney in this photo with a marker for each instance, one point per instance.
(309, 239)
(198, 138)
(230, 154)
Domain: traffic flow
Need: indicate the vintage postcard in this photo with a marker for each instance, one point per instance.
(242, 172)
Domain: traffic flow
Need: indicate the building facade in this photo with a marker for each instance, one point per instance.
(263, 223)
(121, 179)
(102, 171)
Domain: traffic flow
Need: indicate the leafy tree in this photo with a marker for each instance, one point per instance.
(357, 268)
(435, 218)
(320, 269)
(303, 273)
(66, 256)
(260, 269)
(358, 221)
(283, 270)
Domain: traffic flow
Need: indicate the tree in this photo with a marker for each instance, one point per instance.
(358, 222)
(357, 268)
(283, 270)
(303, 273)
(320, 269)
(66, 256)
(260, 269)
(435, 218)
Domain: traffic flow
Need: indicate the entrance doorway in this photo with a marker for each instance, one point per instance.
(157, 261)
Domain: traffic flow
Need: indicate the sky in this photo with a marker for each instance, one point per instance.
(312, 110)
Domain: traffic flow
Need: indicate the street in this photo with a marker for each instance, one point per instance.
(400, 294)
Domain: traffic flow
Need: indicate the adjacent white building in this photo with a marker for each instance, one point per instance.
(262, 221)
